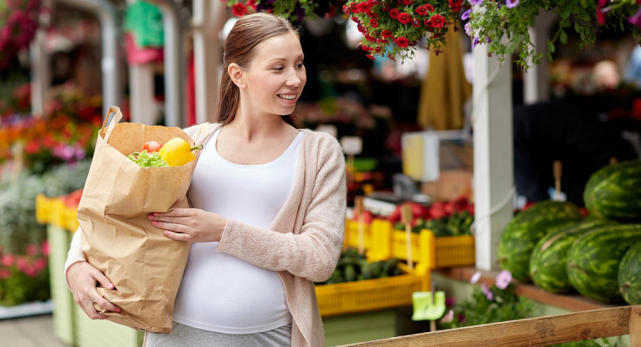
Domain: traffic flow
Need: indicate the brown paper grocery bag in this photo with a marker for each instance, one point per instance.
(145, 266)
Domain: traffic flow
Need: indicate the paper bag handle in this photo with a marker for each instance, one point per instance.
(111, 123)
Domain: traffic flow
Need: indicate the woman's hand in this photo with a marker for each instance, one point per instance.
(83, 278)
(189, 224)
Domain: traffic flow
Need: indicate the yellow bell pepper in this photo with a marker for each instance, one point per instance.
(177, 152)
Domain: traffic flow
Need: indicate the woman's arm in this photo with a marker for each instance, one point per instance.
(313, 253)
(75, 251)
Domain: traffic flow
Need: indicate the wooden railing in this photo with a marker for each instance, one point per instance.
(533, 331)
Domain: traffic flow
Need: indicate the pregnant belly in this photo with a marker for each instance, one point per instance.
(223, 293)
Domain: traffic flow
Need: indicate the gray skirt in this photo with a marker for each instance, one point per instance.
(182, 335)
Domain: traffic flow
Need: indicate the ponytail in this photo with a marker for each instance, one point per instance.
(228, 99)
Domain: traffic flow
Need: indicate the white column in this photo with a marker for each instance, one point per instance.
(40, 76)
(536, 83)
(209, 18)
(493, 162)
(141, 93)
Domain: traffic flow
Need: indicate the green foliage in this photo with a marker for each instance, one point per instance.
(503, 28)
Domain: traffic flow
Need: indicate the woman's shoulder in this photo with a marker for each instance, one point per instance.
(321, 141)
(200, 129)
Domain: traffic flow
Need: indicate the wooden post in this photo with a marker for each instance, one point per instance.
(358, 209)
(406, 217)
(635, 326)
(558, 170)
(493, 153)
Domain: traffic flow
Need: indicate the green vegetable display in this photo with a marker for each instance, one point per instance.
(593, 260)
(630, 275)
(614, 192)
(353, 266)
(549, 258)
(145, 159)
(524, 231)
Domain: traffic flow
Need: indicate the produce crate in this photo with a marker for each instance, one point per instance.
(352, 237)
(371, 295)
(71, 324)
(103, 333)
(61, 297)
(437, 252)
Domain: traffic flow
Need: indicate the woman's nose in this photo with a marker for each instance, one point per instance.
(294, 80)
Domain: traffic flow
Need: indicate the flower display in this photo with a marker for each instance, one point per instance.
(18, 25)
(66, 135)
(504, 24)
(293, 10)
(24, 277)
(394, 28)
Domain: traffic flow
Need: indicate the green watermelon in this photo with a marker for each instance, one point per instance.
(593, 260)
(630, 275)
(614, 192)
(549, 258)
(523, 232)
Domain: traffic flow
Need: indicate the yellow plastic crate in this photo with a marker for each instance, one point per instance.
(436, 252)
(352, 238)
(454, 251)
(371, 295)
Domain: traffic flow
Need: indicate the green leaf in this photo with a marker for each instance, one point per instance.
(551, 47)
(563, 37)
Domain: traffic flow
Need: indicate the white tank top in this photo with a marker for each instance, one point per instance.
(220, 292)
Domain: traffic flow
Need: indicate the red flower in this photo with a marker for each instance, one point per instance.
(252, 3)
(387, 34)
(436, 21)
(239, 9)
(402, 42)
(394, 13)
(429, 7)
(346, 10)
(421, 11)
(362, 7)
(370, 57)
(416, 23)
(407, 2)
(455, 5)
(378, 49)
(404, 18)
(373, 22)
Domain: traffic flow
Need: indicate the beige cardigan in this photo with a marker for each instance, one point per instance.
(305, 238)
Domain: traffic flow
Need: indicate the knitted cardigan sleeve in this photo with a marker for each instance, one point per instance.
(313, 251)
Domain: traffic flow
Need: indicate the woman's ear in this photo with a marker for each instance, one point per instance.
(236, 75)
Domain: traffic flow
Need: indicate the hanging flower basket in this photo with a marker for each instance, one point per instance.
(18, 25)
(395, 28)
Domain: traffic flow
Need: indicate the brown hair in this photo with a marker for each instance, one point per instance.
(247, 33)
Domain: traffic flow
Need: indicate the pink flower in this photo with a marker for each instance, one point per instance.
(476, 277)
(40, 264)
(45, 248)
(22, 264)
(8, 260)
(487, 292)
(503, 279)
(32, 249)
(448, 317)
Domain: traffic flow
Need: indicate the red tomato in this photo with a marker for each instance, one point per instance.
(152, 146)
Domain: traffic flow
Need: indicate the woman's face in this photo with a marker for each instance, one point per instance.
(276, 76)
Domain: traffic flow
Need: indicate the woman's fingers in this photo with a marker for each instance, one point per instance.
(177, 236)
(102, 279)
(168, 226)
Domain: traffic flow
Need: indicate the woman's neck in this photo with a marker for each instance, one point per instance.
(249, 126)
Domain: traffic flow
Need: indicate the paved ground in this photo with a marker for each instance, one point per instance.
(29, 332)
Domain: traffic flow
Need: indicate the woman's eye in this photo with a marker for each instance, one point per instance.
(277, 68)
(300, 65)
